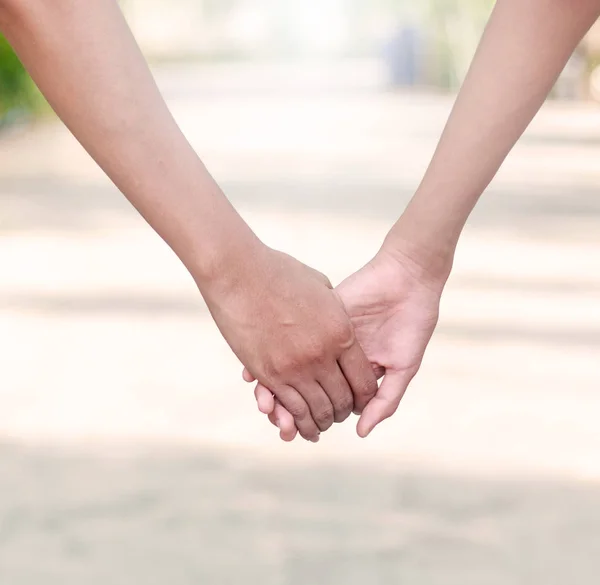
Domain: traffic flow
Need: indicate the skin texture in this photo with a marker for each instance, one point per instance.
(394, 301)
(280, 317)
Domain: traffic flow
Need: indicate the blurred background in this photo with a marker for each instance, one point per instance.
(130, 450)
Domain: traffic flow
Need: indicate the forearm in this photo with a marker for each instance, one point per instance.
(525, 47)
(85, 61)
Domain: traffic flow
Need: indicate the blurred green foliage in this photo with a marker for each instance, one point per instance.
(17, 90)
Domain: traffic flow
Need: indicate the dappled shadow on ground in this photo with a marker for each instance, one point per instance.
(196, 516)
(560, 139)
(51, 203)
(156, 305)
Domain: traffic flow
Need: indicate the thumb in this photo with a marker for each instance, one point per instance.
(385, 403)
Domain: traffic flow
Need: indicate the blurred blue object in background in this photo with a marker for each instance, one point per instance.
(402, 55)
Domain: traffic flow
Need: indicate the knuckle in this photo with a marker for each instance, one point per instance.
(344, 409)
(298, 409)
(369, 387)
(270, 372)
(366, 384)
(342, 333)
(324, 417)
(314, 348)
(317, 354)
(279, 367)
(289, 367)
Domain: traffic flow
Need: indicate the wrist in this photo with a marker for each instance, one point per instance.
(428, 250)
(428, 231)
(228, 264)
(424, 263)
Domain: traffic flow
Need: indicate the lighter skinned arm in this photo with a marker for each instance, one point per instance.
(524, 48)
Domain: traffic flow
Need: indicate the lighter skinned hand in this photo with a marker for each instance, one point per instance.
(290, 330)
(393, 303)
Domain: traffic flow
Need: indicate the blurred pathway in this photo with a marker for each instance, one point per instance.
(107, 348)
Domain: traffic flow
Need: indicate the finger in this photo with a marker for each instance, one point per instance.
(264, 399)
(321, 408)
(295, 404)
(359, 373)
(273, 419)
(339, 392)
(285, 422)
(385, 403)
(248, 377)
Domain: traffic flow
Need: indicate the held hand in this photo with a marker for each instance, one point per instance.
(393, 303)
(291, 331)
